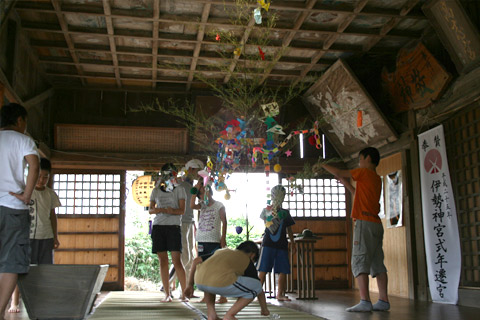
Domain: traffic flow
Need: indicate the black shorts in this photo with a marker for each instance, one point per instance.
(166, 238)
(207, 247)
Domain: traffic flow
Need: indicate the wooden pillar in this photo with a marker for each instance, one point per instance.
(419, 268)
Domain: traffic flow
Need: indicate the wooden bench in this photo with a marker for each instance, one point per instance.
(56, 291)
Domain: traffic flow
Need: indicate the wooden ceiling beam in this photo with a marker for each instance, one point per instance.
(198, 45)
(277, 5)
(111, 40)
(64, 30)
(143, 34)
(156, 16)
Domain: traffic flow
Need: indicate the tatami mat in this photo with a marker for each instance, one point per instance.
(123, 305)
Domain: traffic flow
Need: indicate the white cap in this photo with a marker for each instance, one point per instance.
(194, 164)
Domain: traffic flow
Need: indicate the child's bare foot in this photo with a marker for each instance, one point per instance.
(167, 299)
(264, 312)
(184, 299)
(228, 317)
(221, 300)
(283, 298)
(14, 309)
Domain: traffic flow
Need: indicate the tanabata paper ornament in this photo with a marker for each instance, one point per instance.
(311, 140)
(359, 118)
(217, 37)
(227, 196)
(262, 54)
(271, 109)
(238, 51)
(277, 168)
(257, 14)
(265, 5)
(288, 153)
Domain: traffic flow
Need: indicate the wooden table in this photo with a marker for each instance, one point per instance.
(305, 268)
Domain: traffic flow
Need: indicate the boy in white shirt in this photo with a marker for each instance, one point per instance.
(16, 150)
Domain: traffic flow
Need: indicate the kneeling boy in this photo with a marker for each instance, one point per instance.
(229, 273)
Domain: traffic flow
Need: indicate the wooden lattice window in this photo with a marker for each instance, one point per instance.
(321, 198)
(462, 134)
(88, 193)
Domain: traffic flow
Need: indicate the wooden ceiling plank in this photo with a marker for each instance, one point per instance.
(387, 27)
(64, 28)
(111, 40)
(156, 16)
(198, 45)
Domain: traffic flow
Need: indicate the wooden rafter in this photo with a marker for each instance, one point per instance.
(198, 45)
(111, 40)
(66, 34)
(156, 15)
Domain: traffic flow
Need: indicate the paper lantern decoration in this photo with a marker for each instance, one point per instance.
(142, 189)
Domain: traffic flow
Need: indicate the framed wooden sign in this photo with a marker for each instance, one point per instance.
(418, 79)
(456, 31)
(339, 101)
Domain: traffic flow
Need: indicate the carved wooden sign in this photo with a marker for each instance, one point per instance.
(336, 99)
(417, 81)
(456, 32)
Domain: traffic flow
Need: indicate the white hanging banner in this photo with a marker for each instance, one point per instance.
(442, 241)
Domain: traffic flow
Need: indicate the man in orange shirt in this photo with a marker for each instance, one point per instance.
(367, 252)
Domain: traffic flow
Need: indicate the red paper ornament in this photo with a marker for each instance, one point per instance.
(359, 118)
(312, 140)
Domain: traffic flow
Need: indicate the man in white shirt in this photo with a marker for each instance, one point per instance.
(16, 150)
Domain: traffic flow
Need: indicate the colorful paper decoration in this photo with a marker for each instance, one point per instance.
(217, 37)
(265, 5)
(288, 153)
(262, 54)
(257, 14)
(359, 118)
(238, 51)
(277, 168)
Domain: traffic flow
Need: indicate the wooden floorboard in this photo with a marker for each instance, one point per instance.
(331, 305)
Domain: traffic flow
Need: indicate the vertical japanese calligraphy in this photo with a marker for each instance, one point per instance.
(442, 242)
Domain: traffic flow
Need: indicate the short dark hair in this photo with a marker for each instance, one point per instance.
(249, 247)
(373, 153)
(9, 114)
(45, 164)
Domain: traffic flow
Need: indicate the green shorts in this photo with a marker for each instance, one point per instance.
(14, 240)
(367, 252)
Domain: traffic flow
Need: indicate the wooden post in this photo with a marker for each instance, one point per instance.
(305, 269)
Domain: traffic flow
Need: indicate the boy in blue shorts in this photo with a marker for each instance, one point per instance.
(274, 252)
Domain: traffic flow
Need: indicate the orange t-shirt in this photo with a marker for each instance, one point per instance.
(366, 204)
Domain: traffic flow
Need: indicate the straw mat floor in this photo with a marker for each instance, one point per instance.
(132, 305)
